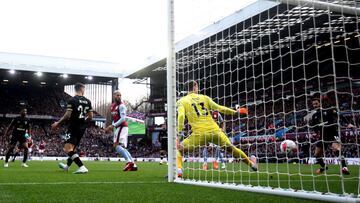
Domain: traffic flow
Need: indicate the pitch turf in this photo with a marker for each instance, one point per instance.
(44, 182)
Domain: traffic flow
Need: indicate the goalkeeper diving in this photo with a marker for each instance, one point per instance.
(196, 108)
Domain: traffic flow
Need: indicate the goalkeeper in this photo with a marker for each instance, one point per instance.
(196, 108)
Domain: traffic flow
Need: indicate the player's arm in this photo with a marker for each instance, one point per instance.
(9, 127)
(221, 123)
(343, 120)
(66, 116)
(181, 116)
(90, 113)
(122, 112)
(108, 116)
(221, 109)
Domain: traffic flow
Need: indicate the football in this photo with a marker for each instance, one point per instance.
(288, 146)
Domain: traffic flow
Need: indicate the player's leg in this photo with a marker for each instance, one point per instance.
(188, 145)
(120, 144)
(17, 153)
(11, 147)
(24, 146)
(29, 153)
(163, 157)
(8, 153)
(319, 154)
(205, 156)
(163, 150)
(224, 142)
(69, 148)
(337, 150)
(42, 154)
(219, 156)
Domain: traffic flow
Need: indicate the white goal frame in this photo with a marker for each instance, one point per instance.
(171, 115)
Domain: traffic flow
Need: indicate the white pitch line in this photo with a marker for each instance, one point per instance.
(147, 182)
(85, 183)
(275, 180)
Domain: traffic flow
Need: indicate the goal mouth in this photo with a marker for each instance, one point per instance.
(294, 66)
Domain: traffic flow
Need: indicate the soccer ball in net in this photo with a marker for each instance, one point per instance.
(288, 146)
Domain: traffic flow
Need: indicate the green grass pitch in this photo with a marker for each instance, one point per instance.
(106, 182)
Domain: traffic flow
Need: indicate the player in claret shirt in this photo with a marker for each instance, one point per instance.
(120, 130)
(42, 145)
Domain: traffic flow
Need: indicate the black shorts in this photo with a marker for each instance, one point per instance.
(327, 137)
(164, 143)
(74, 135)
(18, 138)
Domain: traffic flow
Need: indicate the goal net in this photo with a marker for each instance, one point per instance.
(272, 58)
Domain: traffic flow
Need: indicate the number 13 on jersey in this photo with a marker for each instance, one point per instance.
(200, 109)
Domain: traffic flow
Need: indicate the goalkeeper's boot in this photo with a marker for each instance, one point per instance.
(321, 170)
(24, 165)
(345, 171)
(81, 170)
(215, 165)
(63, 166)
(253, 163)
(6, 165)
(205, 166)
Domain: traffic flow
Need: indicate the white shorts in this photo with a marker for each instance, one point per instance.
(41, 151)
(30, 149)
(121, 135)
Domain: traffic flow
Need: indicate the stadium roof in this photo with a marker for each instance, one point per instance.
(263, 28)
(23, 69)
(17, 77)
(26, 62)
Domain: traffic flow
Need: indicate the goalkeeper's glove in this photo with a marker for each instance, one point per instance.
(181, 135)
(242, 111)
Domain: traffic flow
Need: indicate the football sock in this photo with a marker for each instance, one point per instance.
(342, 158)
(219, 155)
(238, 153)
(124, 153)
(320, 161)
(128, 155)
(25, 155)
(179, 159)
(15, 155)
(75, 158)
(69, 161)
(205, 154)
(7, 156)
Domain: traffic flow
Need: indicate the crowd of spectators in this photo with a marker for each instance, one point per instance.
(263, 119)
(137, 115)
(95, 143)
(43, 100)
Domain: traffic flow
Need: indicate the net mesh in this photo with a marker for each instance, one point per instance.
(273, 64)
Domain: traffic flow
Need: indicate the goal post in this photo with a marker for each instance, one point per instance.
(273, 58)
(171, 93)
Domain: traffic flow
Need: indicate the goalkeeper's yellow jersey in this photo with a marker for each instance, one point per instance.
(196, 108)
